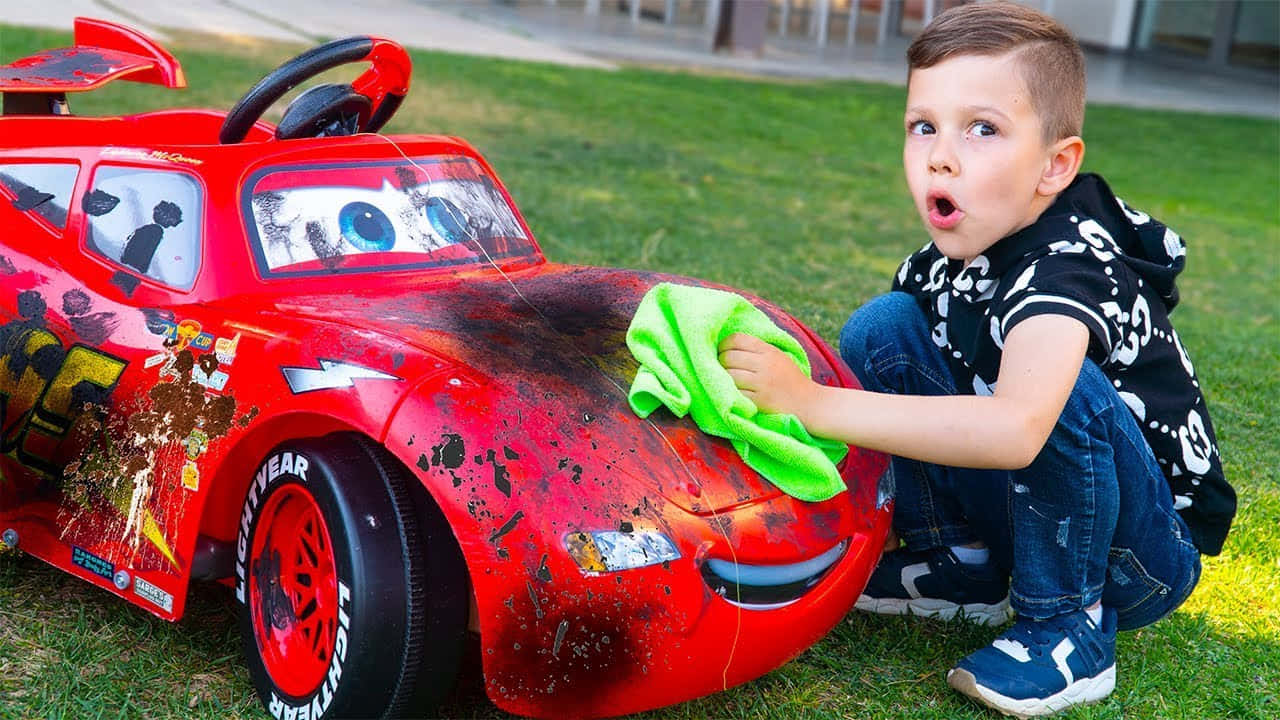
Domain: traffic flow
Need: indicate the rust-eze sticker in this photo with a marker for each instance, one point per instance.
(153, 594)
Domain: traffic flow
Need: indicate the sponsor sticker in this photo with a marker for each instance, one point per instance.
(190, 476)
(195, 443)
(216, 381)
(225, 350)
(101, 567)
(153, 594)
(183, 334)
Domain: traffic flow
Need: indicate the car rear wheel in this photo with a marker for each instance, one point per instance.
(353, 594)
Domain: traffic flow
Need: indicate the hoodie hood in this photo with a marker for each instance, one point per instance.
(1156, 253)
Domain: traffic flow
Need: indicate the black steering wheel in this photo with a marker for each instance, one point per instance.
(335, 109)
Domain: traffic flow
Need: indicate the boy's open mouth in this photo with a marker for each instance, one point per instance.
(943, 211)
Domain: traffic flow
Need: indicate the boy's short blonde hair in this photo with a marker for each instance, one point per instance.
(1050, 59)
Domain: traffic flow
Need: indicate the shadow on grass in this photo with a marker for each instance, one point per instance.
(65, 647)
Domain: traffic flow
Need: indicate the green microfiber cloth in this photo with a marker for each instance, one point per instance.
(675, 335)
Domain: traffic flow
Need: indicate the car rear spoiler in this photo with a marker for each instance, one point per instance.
(103, 51)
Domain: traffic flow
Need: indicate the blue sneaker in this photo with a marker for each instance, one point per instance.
(933, 583)
(1039, 667)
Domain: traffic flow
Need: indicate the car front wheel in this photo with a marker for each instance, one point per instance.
(352, 591)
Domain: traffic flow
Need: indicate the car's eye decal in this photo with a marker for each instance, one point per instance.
(447, 219)
(355, 218)
(366, 227)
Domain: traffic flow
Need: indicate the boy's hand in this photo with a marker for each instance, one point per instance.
(766, 375)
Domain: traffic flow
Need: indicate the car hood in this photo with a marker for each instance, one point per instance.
(546, 347)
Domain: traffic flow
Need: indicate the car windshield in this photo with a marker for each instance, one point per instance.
(371, 217)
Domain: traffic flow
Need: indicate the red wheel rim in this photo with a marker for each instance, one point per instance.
(293, 591)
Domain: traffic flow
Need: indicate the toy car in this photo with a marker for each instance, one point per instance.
(332, 370)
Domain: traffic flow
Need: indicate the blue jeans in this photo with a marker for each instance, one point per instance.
(1090, 518)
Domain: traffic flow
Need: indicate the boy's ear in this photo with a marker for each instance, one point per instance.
(1061, 165)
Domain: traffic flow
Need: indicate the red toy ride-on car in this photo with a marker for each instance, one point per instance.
(333, 370)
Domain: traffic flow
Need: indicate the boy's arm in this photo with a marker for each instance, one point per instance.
(1038, 369)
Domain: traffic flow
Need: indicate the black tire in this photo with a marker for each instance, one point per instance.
(394, 644)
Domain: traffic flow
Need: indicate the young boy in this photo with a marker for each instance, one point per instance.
(1052, 448)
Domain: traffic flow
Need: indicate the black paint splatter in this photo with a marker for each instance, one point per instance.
(561, 629)
(6, 266)
(141, 246)
(423, 462)
(507, 527)
(533, 595)
(98, 202)
(64, 65)
(451, 453)
(167, 214)
(544, 572)
(76, 302)
(509, 453)
(501, 479)
(30, 198)
(158, 320)
(96, 328)
(31, 305)
(126, 282)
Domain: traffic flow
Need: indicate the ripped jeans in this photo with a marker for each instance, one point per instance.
(1090, 518)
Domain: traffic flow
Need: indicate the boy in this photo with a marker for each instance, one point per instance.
(1052, 449)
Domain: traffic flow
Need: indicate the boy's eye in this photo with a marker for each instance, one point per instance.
(920, 127)
(983, 129)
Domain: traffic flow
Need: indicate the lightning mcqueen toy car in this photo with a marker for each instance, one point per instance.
(332, 370)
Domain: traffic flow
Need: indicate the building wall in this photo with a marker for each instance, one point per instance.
(1100, 23)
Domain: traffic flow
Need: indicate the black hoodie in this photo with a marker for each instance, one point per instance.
(1093, 258)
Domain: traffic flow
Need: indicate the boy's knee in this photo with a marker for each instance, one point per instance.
(1155, 576)
(878, 317)
(1092, 395)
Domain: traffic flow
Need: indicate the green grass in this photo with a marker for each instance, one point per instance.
(793, 191)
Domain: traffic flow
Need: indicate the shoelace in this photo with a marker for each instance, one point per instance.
(1036, 635)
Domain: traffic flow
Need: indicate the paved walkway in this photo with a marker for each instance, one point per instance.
(306, 21)
(1113, 79)
(565, 35)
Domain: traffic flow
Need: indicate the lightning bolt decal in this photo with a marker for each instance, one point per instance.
(331, 374)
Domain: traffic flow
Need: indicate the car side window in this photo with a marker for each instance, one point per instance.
(41, 188)
(146, 220)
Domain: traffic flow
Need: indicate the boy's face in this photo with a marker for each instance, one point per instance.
(973, 153)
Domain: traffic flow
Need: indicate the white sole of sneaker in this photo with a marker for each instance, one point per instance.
(1084, 691)
(980, 613)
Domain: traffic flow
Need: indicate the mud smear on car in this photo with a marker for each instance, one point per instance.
(134, 456)
(103, 468)
(564, 647)
(329, 251)
(267, 206)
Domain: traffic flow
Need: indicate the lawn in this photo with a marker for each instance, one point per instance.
(793, 191)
